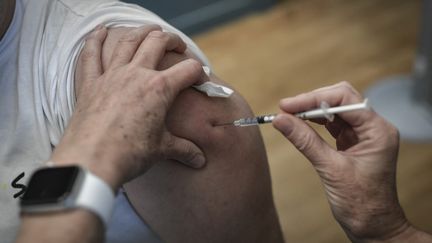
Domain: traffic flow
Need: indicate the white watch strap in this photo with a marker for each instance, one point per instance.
(97, 196)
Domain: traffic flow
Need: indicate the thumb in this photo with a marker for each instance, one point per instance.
(304, 138)
(184, 151)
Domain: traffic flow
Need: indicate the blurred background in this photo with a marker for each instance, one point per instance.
(271, 49)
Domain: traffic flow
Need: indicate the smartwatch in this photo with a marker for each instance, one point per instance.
(67, 187)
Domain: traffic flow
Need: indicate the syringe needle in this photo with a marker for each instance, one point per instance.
(224, 124)
(250, 121)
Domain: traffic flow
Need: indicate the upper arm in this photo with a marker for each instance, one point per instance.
(230, 199)
(221, 202)
(192, 106)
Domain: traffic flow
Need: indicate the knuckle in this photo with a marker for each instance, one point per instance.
(157, 34)
(169, 144)
(305, 142)
(88, 53)
(131, 37)
(195, 66)
(132, 72)
(389, 134)
(192, 68)
(94, 37)
(309, 95)
(160, 87)
(345, 84)
(153, 27)
(118, 54)
(349, 89)
(145, 57)
(136, 35)
(159, 84)
(393, 132)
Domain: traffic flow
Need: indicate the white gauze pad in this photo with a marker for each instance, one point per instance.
(212, 89)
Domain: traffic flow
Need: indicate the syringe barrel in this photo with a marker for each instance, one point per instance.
(244, 122)
(322, 112)
(310, 114)
(265, 118)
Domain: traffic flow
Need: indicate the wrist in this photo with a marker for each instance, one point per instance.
(103, 165)
(59, 190)
(381, 228)
(408, 233)
(373, 221)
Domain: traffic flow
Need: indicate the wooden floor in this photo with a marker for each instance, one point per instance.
(302, 45)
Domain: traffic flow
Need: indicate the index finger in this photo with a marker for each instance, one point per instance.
(128, 44)
(336, 95)
(153, 48)
(183, 75)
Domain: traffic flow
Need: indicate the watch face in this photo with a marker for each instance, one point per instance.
(50, 185)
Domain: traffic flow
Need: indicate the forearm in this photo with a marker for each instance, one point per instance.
(70, 225)
(407, 234)
(412, 234)
(39, 227)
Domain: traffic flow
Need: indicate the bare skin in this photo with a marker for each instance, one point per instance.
(250, 202)
(359, 177)
(99, 147)
(230, 200)
(7, 8)
(82, 226)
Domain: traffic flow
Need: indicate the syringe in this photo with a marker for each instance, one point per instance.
(323, 112)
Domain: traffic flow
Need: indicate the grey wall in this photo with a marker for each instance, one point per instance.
(192, 16)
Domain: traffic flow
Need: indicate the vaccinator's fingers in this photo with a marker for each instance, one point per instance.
(128, 44)
(154, 47)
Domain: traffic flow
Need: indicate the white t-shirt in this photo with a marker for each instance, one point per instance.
(37, 64)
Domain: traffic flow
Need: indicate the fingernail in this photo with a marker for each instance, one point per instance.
(97, 30)
(198, 161)
(285, 101)
(99, 27)
(190, 60)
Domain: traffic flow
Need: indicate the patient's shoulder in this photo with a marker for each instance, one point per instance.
(193, 115)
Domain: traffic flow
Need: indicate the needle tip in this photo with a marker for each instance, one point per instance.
(223, 124)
